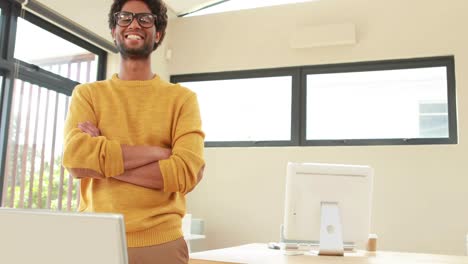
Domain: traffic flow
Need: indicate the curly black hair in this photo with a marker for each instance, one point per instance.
(157, 7)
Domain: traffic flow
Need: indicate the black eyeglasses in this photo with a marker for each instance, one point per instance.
(145, 20)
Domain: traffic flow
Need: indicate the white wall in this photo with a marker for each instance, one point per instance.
(420, 192)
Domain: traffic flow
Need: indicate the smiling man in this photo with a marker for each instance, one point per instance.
(135, 140)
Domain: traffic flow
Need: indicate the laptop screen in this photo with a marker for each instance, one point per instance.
(42, 236)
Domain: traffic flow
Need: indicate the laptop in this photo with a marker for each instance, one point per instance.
(43, 236)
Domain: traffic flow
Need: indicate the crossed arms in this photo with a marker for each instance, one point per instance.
(88, 154)
(140, 162)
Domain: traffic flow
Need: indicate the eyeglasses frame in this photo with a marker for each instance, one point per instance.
(135, 16)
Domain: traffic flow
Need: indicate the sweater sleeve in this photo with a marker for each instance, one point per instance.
(180, 171)
(81, 151)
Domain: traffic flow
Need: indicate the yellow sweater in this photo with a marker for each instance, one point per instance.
(155, 113)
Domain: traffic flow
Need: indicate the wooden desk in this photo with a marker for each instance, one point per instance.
(260, 253)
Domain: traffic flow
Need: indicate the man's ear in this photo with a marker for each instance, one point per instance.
(113, 34)
(158, 37)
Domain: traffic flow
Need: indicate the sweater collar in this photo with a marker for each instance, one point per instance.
(134, 83)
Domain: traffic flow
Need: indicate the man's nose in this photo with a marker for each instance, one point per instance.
(134, 23)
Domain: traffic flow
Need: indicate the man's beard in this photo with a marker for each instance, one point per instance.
(135, 53)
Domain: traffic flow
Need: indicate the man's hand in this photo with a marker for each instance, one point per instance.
(90, 129)
(85, 173)
(79, 173)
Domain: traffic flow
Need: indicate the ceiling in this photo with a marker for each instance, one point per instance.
(178, 7)
(81, 11)
(186, 6)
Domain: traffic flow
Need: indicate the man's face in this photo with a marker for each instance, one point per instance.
(134, 41)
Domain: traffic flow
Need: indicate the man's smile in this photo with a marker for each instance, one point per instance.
(134, 36)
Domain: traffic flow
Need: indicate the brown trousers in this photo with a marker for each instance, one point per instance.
(174, 252)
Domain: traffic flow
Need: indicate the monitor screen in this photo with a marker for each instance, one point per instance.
(311, 185)
(43, 236)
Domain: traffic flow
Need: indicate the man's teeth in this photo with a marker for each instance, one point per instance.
(133, 37)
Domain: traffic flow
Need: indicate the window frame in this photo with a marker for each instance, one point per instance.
(11, 68)
(7, 70)
(102, 55)
(299, 99)
(8, 28)
(445, 61)
(3, 26)
(263, 73)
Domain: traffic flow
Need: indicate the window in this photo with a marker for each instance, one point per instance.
(34, 176)
(37, 82)
(225, 123)
(233, 5)
(237, 112)
(372, 104)
(56, 55)
(380, 103)
(367, 103)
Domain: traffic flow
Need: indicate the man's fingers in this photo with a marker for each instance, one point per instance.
(85, 130)
(84, 127)
(89, 128)
(93, 128)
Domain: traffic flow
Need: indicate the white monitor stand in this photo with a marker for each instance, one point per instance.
(327, 205)
(331, 234)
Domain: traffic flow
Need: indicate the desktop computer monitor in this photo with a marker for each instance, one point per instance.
(42, 236)
(328, 205)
